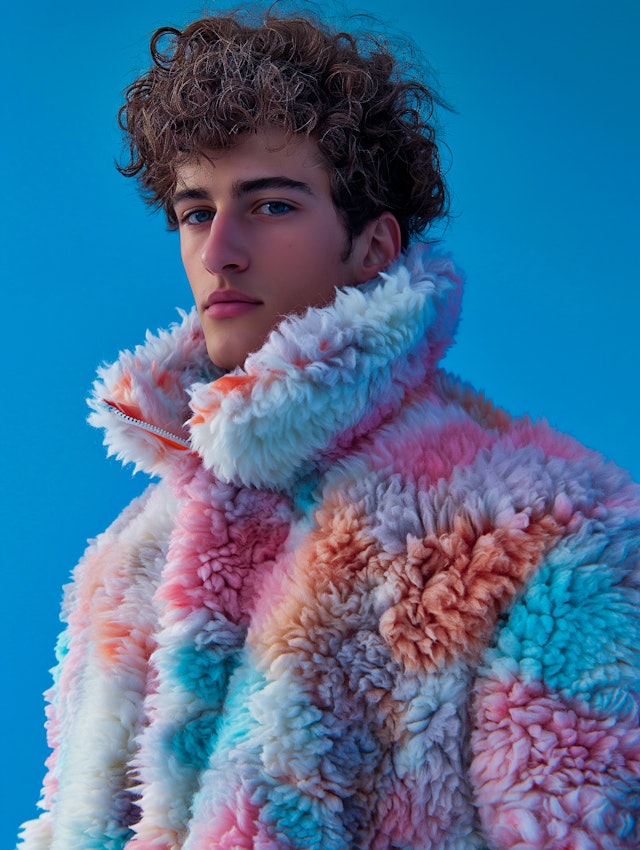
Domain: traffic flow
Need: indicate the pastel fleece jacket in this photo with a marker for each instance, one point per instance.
(362, 607)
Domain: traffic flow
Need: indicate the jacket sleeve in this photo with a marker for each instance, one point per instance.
(99, 682)
(556, 746)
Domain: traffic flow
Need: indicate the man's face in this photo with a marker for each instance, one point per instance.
(260, 239)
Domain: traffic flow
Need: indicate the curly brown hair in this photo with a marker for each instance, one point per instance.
(221, 77)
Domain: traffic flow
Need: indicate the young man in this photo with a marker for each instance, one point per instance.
(363, 608)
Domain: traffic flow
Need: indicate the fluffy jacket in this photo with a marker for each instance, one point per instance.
(362, 608)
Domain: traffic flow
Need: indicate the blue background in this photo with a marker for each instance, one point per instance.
(544, 175)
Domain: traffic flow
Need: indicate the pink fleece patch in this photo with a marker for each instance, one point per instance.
(224, 540)
(234, 827)
(525, 432)
(550, 774)
(429, 456)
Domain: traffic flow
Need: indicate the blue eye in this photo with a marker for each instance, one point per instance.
(275, 208)
(198, 217)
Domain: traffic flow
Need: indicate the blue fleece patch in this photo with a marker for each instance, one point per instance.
(204, 672)
(575, 628)
(192, 743)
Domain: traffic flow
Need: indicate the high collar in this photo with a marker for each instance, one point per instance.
(319, 380)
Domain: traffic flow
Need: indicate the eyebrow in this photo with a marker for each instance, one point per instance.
(245, 187)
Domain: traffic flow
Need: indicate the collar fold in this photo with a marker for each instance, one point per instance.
(318, 381)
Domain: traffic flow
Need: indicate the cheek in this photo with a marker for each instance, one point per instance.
(184, 253)
(191, 267)
(192, 283)
(190, 251)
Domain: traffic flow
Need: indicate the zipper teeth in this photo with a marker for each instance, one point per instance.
(146, 426)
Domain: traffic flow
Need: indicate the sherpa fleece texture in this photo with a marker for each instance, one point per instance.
(363, 607)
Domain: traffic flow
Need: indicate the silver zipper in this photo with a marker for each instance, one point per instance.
(146, 426)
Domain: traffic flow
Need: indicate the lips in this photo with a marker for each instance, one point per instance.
(227, 303)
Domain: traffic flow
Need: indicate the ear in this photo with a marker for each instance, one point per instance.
(375, 248)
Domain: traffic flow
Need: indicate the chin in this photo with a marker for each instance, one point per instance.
(228, 348)
(227, 360)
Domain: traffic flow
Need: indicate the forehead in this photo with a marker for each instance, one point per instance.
(267, 153)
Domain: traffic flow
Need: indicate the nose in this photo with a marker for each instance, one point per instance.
(225, 245)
